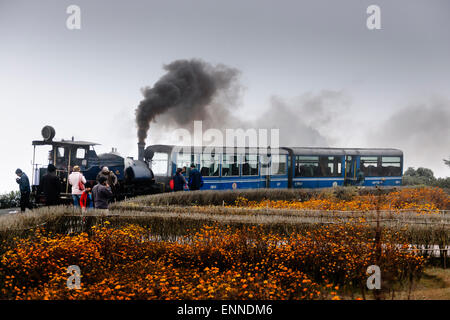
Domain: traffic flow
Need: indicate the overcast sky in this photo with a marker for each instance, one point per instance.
(376, 88)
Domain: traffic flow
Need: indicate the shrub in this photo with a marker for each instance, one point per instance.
(10, 200)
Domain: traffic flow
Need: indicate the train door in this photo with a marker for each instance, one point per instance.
(350, 170)
(265, 171)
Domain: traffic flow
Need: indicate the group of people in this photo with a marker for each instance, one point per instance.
(84, 195)
(98, 196)
(195, 180)
(88, 197)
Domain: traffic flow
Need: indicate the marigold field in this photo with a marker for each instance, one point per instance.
(130, 260)
(422, 200)
(216, 263)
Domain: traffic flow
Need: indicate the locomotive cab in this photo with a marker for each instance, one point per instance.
(64, 155)
(134, 176)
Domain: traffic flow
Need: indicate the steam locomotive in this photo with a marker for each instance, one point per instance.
(134, 176)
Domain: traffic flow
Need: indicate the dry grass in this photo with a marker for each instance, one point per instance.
(230, 197)
(434, 284)
(219, 197)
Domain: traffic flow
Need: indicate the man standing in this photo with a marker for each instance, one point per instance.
(24, 186)
(101, 194)
(111, 178)
(195, 178)
(51, 186)
(178, 180)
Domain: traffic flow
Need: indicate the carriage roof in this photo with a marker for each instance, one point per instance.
(345, 151)
(212, 149)
(283, 150)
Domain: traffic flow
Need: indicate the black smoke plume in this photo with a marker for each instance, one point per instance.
(186, 91)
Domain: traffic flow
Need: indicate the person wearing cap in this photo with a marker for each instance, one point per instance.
(74, 180)
(101, 194)
(111, 178)
(24, 186)
(51, 186)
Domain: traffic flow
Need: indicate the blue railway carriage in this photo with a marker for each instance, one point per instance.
(327, 167)
(221, 168)
(249, 168)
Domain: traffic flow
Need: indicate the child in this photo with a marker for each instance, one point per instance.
(86, 201)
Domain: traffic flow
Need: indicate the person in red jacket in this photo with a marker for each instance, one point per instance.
(86, 201)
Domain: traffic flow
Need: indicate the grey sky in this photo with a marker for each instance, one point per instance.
(87, 82)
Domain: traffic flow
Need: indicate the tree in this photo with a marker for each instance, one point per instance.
(420, 176)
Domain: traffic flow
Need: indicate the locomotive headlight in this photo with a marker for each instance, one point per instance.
(48, 133)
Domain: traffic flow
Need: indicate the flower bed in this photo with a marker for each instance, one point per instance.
(212, 263)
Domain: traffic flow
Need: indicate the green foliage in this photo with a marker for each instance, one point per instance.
(424, 176)
(443, 183)
(9, 200)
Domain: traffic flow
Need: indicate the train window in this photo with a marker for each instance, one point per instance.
(60, 152)
(159, 163)
(185, 160)
(209, 165)
(315, 166)
(369, 166)
(230, 165)
(265, 164)
(250, 165)
(330, 166)
(391, 166)
(348, 165)
(306, 166)
(279, 164)
(81, 153)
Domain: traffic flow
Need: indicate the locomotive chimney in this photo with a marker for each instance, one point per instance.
(141, 146)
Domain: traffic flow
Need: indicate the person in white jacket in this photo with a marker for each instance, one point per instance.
(74, 179)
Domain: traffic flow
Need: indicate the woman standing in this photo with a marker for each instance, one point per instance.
(77, 181)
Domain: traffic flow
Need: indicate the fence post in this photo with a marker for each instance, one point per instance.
(378, 253)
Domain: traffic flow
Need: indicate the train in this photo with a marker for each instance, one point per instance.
(285, 167)
(222, 168)
(135, 177)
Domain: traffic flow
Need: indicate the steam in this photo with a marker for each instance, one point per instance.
(310, 119)
(187, 92)
(422, 131)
